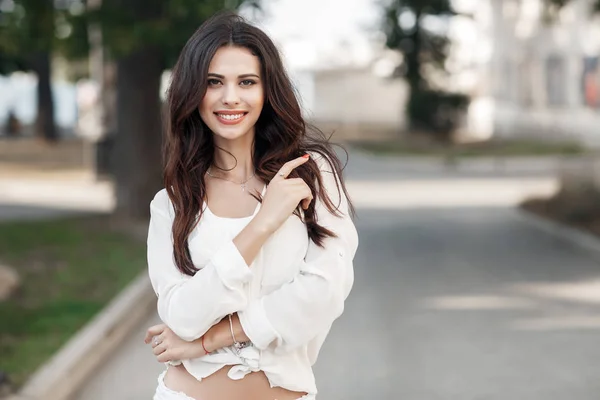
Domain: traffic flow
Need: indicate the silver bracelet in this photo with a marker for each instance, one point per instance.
(237, 345)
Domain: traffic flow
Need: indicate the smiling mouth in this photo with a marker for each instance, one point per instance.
(230, 118)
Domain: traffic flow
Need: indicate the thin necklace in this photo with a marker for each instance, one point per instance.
(242, 184)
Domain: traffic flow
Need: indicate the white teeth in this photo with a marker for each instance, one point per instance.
(230, 117)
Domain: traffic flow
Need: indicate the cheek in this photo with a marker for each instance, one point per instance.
(205, 107)
(257, 99)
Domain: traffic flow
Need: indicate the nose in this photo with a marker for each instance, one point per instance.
(230, 95)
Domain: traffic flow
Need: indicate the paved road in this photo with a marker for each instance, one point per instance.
(462, 299)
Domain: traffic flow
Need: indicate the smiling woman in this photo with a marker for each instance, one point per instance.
(251, 243)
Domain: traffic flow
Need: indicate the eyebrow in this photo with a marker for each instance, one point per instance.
(239, 76)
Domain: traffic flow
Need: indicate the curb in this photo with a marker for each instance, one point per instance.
(576, 236)
(61, 376)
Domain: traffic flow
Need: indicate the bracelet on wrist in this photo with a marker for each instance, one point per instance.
(238, 346)
(203, 347)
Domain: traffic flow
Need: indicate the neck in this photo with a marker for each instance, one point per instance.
(233, 158)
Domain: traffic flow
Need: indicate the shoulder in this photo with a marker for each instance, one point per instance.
(162, 203)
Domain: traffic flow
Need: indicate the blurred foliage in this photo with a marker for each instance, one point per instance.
(62, 26)
(437, 111)
(26, 28)
(553, 7)
(562, 3)
(69, 269)
(128, 25)
(429, 109)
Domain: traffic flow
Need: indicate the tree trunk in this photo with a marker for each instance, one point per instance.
(414, 75)
(44, 123)
(136, 155)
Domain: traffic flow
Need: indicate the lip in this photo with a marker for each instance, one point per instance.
(230, 112)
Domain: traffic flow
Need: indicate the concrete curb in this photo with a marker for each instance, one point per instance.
(576, 236)
(61, 376)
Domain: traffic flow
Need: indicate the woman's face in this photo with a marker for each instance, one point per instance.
(234, 96)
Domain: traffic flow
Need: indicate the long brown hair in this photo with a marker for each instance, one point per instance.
(281, 132)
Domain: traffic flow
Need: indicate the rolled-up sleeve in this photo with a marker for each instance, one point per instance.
(191, 305)
(300, 310)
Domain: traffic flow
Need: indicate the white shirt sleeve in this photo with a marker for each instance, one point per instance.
(298, 311)
(191, 305)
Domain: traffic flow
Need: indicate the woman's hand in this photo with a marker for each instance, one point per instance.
(167, 346)
(283, 196)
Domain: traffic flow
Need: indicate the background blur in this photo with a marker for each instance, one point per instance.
(472, 128)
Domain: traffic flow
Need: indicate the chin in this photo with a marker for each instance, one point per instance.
(232, 133)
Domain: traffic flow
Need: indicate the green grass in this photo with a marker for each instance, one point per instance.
(508, 148)
(70, 269)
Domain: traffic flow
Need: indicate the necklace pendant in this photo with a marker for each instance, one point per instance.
(243, 187)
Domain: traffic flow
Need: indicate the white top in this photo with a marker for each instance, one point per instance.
(286, 300)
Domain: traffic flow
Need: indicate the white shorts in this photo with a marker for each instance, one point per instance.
(164, 393)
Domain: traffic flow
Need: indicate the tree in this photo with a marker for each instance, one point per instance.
(429, 108)
(26, 42)
(553, 6)
(144, 38)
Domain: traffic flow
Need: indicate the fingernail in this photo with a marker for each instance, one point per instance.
(306, 156)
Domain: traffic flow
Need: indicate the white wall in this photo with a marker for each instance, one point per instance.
(358, 96)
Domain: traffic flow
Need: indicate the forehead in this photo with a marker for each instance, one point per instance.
(233, 61)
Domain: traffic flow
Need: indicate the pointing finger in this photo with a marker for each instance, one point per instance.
(289, 166)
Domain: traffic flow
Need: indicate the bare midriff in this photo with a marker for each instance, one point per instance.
(218, 386)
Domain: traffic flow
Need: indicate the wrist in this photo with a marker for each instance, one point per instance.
(193, 349)
(217, 337)
(261, 225)
(208, 345)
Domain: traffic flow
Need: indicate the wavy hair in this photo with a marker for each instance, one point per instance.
(281, 132)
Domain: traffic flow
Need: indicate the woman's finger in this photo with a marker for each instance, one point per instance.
(164, 357)
(289, 166)
(159, 349)
(306, 202)
(154, 331)
(156, 340)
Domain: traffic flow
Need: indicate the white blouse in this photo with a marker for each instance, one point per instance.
(286, 299)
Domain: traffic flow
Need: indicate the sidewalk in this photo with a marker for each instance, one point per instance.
(35, 195)
(130, 374)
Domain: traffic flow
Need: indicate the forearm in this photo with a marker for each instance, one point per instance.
(220, 336)
(251, 239)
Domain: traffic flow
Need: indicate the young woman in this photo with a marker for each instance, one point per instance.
(250, 244)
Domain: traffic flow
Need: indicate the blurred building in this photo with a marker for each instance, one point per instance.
(530, 75)
(544, 75)
(355, 102)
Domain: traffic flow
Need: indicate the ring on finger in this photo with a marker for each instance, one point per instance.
(156, 341)
(281, 174)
